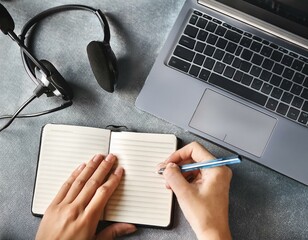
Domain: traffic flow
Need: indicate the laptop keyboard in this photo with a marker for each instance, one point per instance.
(244, 64)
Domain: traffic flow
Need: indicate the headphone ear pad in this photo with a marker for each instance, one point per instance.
(58, 81)
(104, 64)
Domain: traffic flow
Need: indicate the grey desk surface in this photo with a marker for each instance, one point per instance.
(263, 204)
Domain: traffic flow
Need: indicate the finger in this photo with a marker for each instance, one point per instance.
(189, 153)
(95, 181)
(67, 185)
(83, 177)
(175, 180)
(103, 193)
(116, 230)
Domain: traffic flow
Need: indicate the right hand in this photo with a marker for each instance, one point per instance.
(205, 200)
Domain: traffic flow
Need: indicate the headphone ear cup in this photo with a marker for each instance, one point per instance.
(104, 64)
(57, 81)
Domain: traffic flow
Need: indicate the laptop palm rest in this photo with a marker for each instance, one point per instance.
(233, 122)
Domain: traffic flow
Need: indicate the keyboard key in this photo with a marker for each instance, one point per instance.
(194, 70)
(228, 58)
(211, 27)
(288, 73)
(286, 85)
(238, 76)
(303, 118)
(296, 89)
(267, 64)
(287, 97)
(221, 43)
(265, 75)
(209, 63)
(305, 94)
(184, 53)
(218, 54)
(211, 39)
(266, 51)
(255, 46)
(200, 47)
(233, 36)
(271, 104)
(282, 108)
(246, 54)
(219, 67)
(193, 19)
(276, 93)
(293, 113)
(187, 42)
(298, 78)
(191, 31)
(276, 56)
(179, 64)
(201, 23)
(297, 65)
(245, 42)
(276, 80)
(209, 50)
(238, 89)
(256, 84)
(204, 75)
(231, 47)
(229, 72)
(266, 88)
(245, 66)
(257, 59)
(246, 79)
(278, 68)
(202, 35)
(237, 62)
(199, 59)
(287, 60)
(297, 102)
(255, 71)
(220, 31)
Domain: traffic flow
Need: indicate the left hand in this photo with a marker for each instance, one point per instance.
(75, 211)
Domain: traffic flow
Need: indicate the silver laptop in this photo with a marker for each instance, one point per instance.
(236, 73)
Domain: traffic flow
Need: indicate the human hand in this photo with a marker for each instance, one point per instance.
(204, 201)
(75, 211)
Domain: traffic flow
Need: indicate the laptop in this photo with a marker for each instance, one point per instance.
(236, 73)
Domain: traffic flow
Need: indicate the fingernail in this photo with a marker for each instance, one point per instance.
(171, 165)
(110, 158)
(119, 171)
(97, 158)
(81, 166)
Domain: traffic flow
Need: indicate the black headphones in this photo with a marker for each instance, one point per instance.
(49, 81)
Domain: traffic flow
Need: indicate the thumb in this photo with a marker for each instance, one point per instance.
(176, 180)
(116, 230)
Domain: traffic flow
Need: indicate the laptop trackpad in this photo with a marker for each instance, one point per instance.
(233, 122)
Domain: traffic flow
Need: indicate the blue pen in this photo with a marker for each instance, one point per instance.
(207, 164)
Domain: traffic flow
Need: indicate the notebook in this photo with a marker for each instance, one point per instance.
(141, 197)
(236, 73)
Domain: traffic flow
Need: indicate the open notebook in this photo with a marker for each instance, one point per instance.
(141, 197)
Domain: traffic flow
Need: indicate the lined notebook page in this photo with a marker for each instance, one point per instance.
(63, 149)
(141, 197)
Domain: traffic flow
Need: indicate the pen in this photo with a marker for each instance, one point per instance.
(207, 164)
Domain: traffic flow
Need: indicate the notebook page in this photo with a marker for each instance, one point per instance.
(63, 149)
(141, 197)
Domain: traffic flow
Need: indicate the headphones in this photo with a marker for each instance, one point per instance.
(44, 74)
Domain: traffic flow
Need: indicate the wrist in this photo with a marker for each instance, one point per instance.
(214, 234)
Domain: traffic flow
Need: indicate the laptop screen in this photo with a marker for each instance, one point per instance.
(291, 15)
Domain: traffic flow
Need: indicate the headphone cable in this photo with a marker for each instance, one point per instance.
(17, 115)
